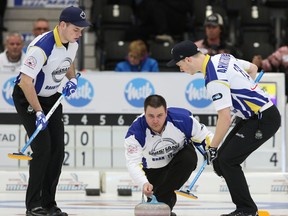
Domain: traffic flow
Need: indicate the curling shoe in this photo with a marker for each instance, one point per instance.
(37, 211)
(240, 213)
(56, 211)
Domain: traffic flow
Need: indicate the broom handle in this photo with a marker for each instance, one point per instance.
(49, 114)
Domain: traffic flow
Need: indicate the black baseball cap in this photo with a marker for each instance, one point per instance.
(74, 15)
(182, 50)
(214, 20)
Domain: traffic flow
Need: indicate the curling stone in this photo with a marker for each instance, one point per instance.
(152, 208)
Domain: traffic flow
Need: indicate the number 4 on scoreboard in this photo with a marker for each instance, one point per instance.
(273, 159)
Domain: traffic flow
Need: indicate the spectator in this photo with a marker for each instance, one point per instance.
(40, 26)
(215, 41)
(276, 62)
(138, 59)
(12, 57)
(159, 151)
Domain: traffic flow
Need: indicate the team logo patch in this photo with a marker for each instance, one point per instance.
(30, 62)
(83, 15)
(217, 96)
(132, 149)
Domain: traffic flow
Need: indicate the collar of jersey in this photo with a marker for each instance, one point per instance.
(57, 37)
(204, 65)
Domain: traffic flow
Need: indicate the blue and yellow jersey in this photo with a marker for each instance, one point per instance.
(147, 149)
(229, 85)
(47, 60)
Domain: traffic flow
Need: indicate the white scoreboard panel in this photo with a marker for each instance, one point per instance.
(94, 135)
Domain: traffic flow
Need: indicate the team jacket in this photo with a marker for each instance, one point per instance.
(147, 149)
(229, 85)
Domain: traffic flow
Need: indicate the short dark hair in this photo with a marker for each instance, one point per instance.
(155, 101)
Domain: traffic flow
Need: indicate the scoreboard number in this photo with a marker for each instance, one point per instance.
(102, 120)
(84, 119)
(273, 159)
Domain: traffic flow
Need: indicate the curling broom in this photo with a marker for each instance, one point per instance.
(20, 155)
(187, 193)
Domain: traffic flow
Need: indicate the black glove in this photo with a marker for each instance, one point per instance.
(211, 154)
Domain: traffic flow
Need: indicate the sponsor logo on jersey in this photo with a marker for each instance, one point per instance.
(137, 90)
(83, 95)
(217, 96)
(61, 70)
(196, 94)
(162, 148)
(7, 91)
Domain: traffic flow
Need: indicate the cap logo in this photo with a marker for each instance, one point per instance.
(83, 15)
(212, 18)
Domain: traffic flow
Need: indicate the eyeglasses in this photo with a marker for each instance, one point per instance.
(41, 29)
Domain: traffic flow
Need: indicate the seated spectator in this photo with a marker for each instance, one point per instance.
(215, 41)
(137, 59)
(40, 26)
(12, 57)
(276, 62)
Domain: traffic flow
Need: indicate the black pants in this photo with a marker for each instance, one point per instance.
(238, 145)
(167, 179)
(48, 150)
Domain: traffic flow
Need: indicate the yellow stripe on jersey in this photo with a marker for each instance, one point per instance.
(44, 54)
(57, 37)
(253, 106)
(224, 83)
(207, 57)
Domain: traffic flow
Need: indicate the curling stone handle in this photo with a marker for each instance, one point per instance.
(154, 200)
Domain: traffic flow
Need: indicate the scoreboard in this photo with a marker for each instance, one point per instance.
(98, 115)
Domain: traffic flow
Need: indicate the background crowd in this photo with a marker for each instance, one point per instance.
(254, 30)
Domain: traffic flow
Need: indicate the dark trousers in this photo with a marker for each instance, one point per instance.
(167, 179)
(238, 145)
(48, 150)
